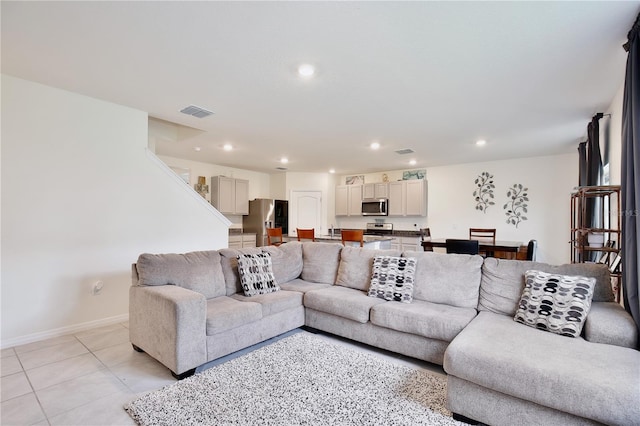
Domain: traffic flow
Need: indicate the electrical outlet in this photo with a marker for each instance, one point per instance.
(97, 287)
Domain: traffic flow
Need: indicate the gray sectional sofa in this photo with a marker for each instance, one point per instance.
(186, 310)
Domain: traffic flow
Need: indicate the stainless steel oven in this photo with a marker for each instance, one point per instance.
(379, 229)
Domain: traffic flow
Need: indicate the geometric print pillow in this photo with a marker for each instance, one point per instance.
(555, 303)
(392, 278)
(256, 274)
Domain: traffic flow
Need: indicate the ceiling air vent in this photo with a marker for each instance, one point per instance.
(281, 168)
(405, 151)
(196, 111)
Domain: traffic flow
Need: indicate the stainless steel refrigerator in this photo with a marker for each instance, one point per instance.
(266, 213)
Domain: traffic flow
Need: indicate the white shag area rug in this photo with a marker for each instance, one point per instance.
(300, 380)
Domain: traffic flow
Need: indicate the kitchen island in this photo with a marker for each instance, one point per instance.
(370, 241)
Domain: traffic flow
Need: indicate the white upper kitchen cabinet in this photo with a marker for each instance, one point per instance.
(355, 200)
(397, 194)
(416, 201)
(229, 195)
(242, 197)
(408, 198)
(375, 190)
(348, 200)
(342, 200)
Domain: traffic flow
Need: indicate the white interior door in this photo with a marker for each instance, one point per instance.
(305, 211)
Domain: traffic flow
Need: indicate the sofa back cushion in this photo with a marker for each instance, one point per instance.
(450, 279)
(321, 262)
(286, 260)
(229, 262)
(356, 266)
(503, 282)
(199, 271)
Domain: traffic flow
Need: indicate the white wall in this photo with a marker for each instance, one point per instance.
(613, 136)
(550, 181)
(259, 183)
(81, 199)
(279, 186)
(451, 205)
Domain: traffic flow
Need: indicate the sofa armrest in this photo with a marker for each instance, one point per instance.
(609, 323)
(169, 323)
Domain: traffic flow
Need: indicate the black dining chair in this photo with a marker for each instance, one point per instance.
(425, 235)
(531, 249)
(462, 246)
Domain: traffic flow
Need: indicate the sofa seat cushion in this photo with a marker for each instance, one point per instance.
(343, 302)
(302, 286)
(225, 313)
(272, 303)
(433, 320)
(585, 379)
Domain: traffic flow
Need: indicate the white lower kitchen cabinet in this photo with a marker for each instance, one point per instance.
(248, 240)
(407, 244)
(239, 241)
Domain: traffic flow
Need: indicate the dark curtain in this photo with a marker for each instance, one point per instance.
(631, 174)
(582, 168)
(594, 159)
(590, 169)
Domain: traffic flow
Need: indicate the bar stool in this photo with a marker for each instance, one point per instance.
(356, 235)
(306, 234)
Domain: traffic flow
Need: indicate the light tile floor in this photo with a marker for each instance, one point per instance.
(87, 377)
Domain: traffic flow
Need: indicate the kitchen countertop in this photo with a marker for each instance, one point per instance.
(239, 232)
(367, 238)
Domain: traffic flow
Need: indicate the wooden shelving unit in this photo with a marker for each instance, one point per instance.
(607, 202)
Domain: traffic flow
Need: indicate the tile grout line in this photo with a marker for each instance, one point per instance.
(105, 368)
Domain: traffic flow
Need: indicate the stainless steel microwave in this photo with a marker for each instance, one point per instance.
(375, 207)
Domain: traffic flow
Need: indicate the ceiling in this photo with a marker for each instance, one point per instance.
(430, 76)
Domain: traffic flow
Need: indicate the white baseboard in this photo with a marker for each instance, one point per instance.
(57, 332)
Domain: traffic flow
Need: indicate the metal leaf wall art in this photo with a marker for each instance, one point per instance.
(517, 205)
(484, 192)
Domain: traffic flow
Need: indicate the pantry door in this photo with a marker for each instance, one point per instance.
(305, 211)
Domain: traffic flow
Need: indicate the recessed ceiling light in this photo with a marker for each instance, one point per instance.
(197, 149)
(306, 70)
(332, 170)
(481, 142)
(375, 145)
(227, 147)
(412, 162)
(284, 160)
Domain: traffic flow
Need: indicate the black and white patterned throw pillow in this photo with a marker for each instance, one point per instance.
(393, 278)
(555, 303)
(256, 274)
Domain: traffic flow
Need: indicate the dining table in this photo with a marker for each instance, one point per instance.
(501, 249)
